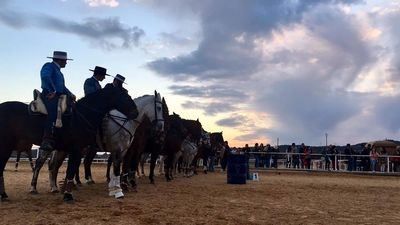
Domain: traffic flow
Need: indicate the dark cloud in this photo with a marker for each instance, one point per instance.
(233, 121)
(229, 31)
(388, 113)
(108, 33)
(210, 109)
(210, 91)
(175, 39)
(12, 19)
(96, 29)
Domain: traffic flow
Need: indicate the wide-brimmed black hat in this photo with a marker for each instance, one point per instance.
(120, 78)
(59, 55)
(98, 70)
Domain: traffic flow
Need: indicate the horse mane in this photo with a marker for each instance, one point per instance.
(142, 97)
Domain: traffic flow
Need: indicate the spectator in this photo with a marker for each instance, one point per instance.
(383, 159)
(365, 160)
(256, 151)
(349, 154)
(325, 157)
(295, 156)
(307, 157)
(246, 151)
(333, 156)
(262, 155)
(373, 156)
(396, 160)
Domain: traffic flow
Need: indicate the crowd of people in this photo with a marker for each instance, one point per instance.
(369, 158)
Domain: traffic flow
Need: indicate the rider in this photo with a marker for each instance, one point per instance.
(53, 85)
(92, 84)
(117, 82)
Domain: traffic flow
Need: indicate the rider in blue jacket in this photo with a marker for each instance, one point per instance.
(53, 85)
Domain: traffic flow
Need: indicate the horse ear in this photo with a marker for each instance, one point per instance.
(197, 119)
(155, 92)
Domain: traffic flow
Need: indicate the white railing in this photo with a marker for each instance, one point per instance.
(318, 161)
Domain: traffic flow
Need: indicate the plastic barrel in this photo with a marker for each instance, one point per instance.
(237, 169)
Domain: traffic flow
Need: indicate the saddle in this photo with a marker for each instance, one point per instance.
(37, 106)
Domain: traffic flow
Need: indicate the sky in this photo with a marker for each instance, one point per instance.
(260, 71)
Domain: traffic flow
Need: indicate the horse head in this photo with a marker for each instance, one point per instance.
(104, 100)
(176, 125)
(151, 106)
(194, 128)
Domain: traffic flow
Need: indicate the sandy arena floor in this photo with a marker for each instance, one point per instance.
(285, 198)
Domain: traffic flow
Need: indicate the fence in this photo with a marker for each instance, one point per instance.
(330, 162)
(303, 161)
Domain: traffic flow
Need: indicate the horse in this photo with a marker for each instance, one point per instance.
(154, 145)
(217, 146)
(204, 151)
(17, 126)
(146, 141)
(188, 152)
(175, 139)
(118, 134)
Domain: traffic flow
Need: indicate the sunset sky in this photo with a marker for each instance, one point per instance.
(257, 70)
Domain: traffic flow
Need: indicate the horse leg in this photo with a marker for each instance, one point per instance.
(77, 177)
(168, 167)
(38, 166)
(109, 162)
(73, 164)
(161, 164)
(17, 161)
(3, 161)
(87, 162)
(205, 165)
(114, 186)
(56, 160)
(29, 153)
(133, 168)
(152, 166)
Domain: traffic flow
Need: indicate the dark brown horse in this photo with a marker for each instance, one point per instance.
(175, 137)
(203, 152)
(217, 146)
(18, 126)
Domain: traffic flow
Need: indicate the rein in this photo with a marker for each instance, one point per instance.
(91, 129)
(115, 119)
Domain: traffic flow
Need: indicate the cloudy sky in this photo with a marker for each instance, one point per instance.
(257, 70)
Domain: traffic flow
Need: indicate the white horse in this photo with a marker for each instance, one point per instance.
(118, 133)
(188, 152)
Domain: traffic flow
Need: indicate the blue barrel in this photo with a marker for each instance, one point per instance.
(237, 169)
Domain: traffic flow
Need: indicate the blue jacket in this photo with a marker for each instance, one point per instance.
(53, 79)
(91, 85)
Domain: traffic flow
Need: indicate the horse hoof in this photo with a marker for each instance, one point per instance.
(4, 197)
(33, 192)
(205, 171)
(152, 182)
(119, 195)
(54, 191)
(90, 182)
(68, 198)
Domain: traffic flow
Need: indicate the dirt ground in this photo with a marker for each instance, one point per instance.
(278, 198)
